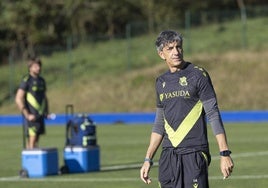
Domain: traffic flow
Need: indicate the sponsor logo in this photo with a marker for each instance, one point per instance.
(163, 84)
(195, 183)
(173, 94)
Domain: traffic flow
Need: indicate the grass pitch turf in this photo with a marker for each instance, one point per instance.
(123, 148)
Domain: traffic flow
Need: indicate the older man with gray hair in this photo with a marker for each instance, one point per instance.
(185, 99)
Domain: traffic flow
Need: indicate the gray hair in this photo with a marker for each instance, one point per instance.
(166, 37)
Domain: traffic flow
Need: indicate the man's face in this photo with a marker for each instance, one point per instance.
(35, 69)
(172, 53)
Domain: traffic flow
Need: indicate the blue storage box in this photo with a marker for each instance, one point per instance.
(40, 162)
(82, 159)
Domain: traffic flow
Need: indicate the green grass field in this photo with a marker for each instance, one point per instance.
(125, 145)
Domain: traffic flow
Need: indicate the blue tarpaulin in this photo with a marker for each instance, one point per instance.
(139, 118)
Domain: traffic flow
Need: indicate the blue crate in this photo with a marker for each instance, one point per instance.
(40, 162)
(82, 159)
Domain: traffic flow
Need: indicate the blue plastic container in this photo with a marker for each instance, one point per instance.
(40, 162)
(82, 159)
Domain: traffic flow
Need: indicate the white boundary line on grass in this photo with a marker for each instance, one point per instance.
(128, 179)
(125, 179)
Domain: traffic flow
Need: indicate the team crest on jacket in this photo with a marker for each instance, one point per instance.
(183, 81)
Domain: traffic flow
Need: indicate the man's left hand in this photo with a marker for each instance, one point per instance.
(227, 166)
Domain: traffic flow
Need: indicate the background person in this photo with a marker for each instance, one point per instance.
(185, 98)
(32, 101)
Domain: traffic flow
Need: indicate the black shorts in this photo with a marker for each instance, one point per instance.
(37, 127)
(185, 169)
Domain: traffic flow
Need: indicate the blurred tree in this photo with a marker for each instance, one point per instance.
(31, 22)
(148, 8)
(110, 17)
(27, 23)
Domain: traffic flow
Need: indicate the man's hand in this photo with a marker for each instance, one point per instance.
(227, 166)
(144, 172)
(30, 117)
